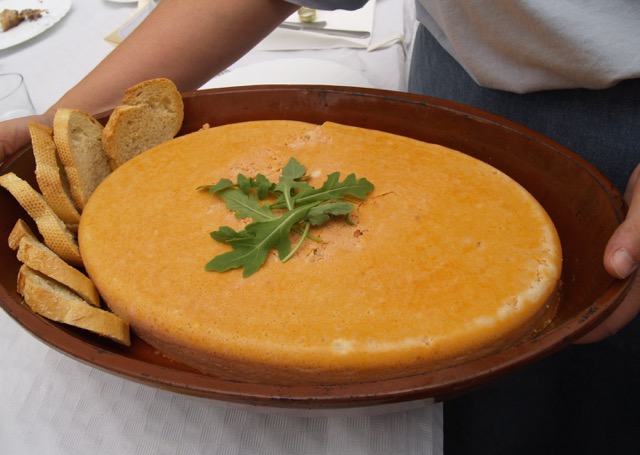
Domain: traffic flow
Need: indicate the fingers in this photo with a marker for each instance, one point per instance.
(622, 254)
(621, 259)
(623, 314)
(14, 134)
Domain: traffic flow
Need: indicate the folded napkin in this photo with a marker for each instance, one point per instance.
(359, 20)
(142, 11)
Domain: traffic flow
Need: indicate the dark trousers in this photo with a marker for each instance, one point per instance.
(584, 399)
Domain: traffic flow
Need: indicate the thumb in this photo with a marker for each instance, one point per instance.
(622, 254)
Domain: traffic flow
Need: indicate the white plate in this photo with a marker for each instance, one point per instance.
(290, 71)
(122, 1)
(55, 10)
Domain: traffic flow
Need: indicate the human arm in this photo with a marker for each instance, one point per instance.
(187, 41)
(14, 134)
(621, 259)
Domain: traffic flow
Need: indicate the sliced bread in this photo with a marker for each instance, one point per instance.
(78, 139)
(51, 178)
(56, 302)
(151, 113)
(55, 233)
(38, 257)
(20, 230)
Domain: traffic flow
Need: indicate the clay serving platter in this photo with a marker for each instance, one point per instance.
(583, 205)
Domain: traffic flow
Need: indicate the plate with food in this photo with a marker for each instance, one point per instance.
(316, 247)
(21, 20)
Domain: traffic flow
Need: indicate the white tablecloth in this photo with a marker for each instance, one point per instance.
(56, 60)
(52, 404)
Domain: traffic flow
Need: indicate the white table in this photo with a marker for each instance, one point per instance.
(56, 60)
(52, 404)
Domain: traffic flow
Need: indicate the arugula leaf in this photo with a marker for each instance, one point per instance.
(246, 205)
(290, 179)
(228, 235)
(260, 184)
(251, 249)
(334, 189)
(320, 214)
(297, 207)
(223, 184)
(243, 183)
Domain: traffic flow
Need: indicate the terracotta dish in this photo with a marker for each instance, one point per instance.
(583, 205)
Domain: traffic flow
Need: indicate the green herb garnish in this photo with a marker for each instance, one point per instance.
(276, 210)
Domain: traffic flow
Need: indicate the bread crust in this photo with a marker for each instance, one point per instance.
(38, 257)
(53, 301)
(55, 233)
(78, 139)
(71, 163)
(52, 180)
(20, 229)
(151, 113)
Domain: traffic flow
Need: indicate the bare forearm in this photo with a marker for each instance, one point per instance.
(187, 41)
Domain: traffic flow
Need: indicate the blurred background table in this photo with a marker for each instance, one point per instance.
(57, 59)
(53, 404)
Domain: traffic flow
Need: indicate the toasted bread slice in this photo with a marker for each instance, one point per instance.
(20, 230)
(78, 139)
(152, 113)
(56, 302)
(52, 180)
(38, 257)
(53, 230)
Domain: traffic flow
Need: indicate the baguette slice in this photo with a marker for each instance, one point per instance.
(54, 231)
(20, 230)
(52, 181)
(54, 301)
(152, 113)
(38, 257)
(78, 139)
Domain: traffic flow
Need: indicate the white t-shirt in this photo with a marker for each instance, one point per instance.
(530, 45)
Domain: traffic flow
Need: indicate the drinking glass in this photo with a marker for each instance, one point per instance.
(14, 97)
